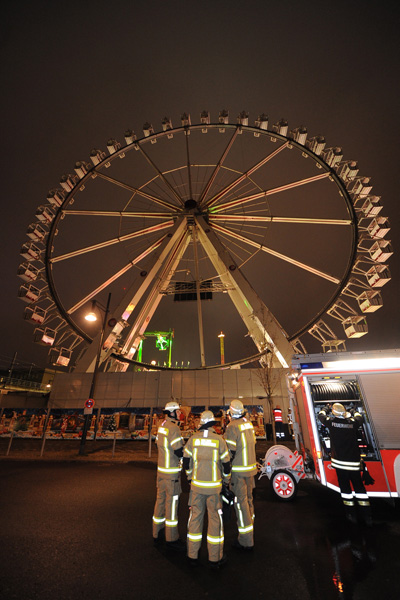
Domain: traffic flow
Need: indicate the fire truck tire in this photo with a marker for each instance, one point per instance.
(284, 485)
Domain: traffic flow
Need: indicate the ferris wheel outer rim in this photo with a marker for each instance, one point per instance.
(147, 139)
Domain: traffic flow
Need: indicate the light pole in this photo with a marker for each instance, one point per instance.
(95, 371)
(221, 343)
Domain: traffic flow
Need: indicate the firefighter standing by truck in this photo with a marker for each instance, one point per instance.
(345, 458)
(279, 431)
(207, 464)
(241, 440)
(170, 452)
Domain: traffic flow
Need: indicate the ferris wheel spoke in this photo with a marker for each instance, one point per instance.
(198, 298)
(284, 257)
(114, 213)
(264, 193)
(124, 269)
(188, 166)
(138, 191)
(162, 176)
(244, 176)
(116, 240)
(239, 253)
(218, 167)
(269, 219)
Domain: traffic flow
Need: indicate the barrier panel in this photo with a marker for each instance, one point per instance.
(121, 423)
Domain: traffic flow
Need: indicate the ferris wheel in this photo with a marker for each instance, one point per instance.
(263, 219)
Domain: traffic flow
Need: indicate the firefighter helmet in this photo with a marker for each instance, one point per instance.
(171, 406)
(206, 417)
(338, 410)
(236, 409)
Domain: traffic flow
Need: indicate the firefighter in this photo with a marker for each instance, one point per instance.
(280, 434)
(170, 452)
(241, 440)
(208, 467)
(345, 458)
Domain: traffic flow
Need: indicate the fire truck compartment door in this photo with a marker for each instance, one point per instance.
(381, 393)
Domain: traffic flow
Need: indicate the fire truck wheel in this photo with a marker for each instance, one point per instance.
(284, 485)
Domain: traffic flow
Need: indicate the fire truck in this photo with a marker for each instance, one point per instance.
(368, 382)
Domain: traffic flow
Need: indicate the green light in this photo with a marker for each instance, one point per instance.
(162, 343)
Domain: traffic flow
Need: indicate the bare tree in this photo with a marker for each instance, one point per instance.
(267, 376)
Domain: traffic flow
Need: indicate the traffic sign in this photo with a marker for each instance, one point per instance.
(89, 404)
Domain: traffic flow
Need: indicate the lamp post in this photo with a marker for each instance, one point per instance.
(95, 371)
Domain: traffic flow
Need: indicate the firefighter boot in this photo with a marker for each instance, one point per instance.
(177, 545)
(238, 546)
(217, 564)
(193, 562)
(157, 541)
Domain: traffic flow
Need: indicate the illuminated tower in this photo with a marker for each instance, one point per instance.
(221, 343)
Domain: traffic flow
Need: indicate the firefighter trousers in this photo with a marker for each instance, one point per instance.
(346, 480)
(243, 487)
(279, 430)
(198, 504)
(166, 508)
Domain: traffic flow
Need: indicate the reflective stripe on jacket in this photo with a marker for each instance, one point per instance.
(241, 440)
(168, 439)
(207, 452)
(345, 451)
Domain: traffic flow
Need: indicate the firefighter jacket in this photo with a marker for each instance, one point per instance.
(207, 461)
(168, 440)
(278, 415)
(345, 451)
(241, 440)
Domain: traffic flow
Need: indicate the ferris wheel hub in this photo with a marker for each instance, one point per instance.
(190, 204)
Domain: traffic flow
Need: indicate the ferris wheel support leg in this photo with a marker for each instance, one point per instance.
(165, 272)
(130, 301)
(260, 322)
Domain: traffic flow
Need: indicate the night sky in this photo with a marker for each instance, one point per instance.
(75, 74)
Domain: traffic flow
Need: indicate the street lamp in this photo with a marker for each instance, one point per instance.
(92, 317)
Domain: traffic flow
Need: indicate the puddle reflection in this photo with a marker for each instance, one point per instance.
(354, 555)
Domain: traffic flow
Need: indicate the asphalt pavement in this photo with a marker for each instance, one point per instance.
(69, 450)
(81, 528)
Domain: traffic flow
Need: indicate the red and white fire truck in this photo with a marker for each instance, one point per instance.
(366, 381)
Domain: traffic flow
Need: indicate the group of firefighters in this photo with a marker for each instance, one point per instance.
(218, 469)
(222, 469)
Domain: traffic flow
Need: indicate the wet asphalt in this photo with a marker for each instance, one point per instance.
(71, 529)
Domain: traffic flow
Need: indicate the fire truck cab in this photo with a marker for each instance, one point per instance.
(368, 382)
